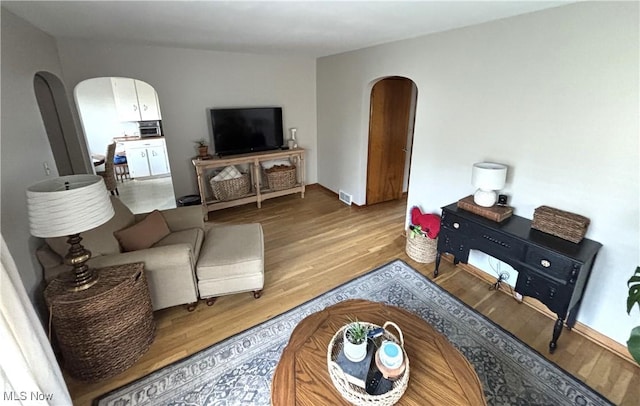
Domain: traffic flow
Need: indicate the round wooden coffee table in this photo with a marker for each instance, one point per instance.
(440, 374)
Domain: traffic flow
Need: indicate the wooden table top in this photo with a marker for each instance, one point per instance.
(439, 375)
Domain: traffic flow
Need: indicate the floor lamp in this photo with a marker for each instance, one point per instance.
(68, 206)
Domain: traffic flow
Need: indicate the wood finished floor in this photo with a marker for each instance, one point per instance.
(317, 243)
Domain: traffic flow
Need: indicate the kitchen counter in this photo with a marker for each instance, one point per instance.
(136, 138)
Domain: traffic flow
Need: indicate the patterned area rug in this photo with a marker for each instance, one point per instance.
(238, 370)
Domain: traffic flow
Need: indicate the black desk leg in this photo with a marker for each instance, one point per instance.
(557, 329)
(435, 272)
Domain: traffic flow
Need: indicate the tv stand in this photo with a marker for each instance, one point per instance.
(259, 191)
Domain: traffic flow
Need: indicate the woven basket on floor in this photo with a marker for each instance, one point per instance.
(105, 329)
(355, 394)
(281, 177)
(421, 248)
(231, 188)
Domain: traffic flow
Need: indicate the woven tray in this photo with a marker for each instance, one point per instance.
(281, 177)
(566, 225)
(103, 330)
(231, 188)
(421, 248)
(355, 394)
(495, 213)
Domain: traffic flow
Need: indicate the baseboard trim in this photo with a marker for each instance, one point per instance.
(582, 329)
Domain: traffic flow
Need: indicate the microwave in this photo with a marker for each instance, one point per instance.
(150, 128)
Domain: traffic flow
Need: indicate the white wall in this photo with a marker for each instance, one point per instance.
(552, 94)
(25, 146)
(97, 108)
(188, 82)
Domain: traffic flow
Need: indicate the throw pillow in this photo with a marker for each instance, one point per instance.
(143, 234)
(230, 172)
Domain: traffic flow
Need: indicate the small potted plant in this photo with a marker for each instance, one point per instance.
(355, 341)
(203, 148)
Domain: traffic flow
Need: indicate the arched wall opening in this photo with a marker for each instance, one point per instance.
(127, 111)
(67, 144)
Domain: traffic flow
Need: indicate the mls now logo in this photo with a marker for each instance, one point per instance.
(23, 395)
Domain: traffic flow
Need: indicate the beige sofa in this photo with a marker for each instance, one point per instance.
(169, 263)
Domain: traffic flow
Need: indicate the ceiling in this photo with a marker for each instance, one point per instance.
(304, 28)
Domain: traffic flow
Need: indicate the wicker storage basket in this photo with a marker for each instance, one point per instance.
(355, 394)
(281, 177)
(103, 330)
(231, 188)
(421, 248)
(568, 226)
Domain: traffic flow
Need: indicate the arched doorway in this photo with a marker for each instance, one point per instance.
(126, 111)
(67, 146)
(391, 118)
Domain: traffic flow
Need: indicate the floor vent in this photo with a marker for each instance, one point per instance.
(345, 197)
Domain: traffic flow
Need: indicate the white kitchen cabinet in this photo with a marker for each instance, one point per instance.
(157, 161)
(126, 98)
(138, 162)
(147, 158)
(147, 101)
(135, 100)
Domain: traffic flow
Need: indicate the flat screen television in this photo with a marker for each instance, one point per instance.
(241, 130)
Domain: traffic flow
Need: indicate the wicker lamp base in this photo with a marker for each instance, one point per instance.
(105, 329)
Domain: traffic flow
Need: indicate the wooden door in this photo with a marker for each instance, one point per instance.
(388, 132)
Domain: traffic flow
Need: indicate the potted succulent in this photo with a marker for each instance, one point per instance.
(355, 341)
(203, 148)
(634, 298)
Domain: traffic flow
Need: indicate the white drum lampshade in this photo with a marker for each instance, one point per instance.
(487, 177)
(68, 206)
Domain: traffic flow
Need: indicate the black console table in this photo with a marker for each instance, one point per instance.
(550, 269)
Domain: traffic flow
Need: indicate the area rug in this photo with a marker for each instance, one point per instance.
(238, 370)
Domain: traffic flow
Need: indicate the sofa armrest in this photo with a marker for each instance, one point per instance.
(169, 270)
(180, 218)
(153, 258)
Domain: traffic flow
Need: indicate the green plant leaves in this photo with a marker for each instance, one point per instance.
(634, 290)
(357, 332)
(633, 344)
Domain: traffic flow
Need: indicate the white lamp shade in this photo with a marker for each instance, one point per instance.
(489, 175)
(68, 205)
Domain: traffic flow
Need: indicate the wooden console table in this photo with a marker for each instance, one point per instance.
(260, 191)
(550, 269)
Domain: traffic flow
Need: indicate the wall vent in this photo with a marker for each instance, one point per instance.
(345, 197)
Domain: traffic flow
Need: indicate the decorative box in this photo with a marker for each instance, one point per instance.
(566, 225)
(495, 213)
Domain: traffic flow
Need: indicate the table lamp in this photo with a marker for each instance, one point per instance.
(487, 177)
(68, 206)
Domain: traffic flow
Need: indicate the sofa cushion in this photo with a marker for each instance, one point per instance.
(143, 234)
(192, 237)
(231, 251)
(100, 240)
